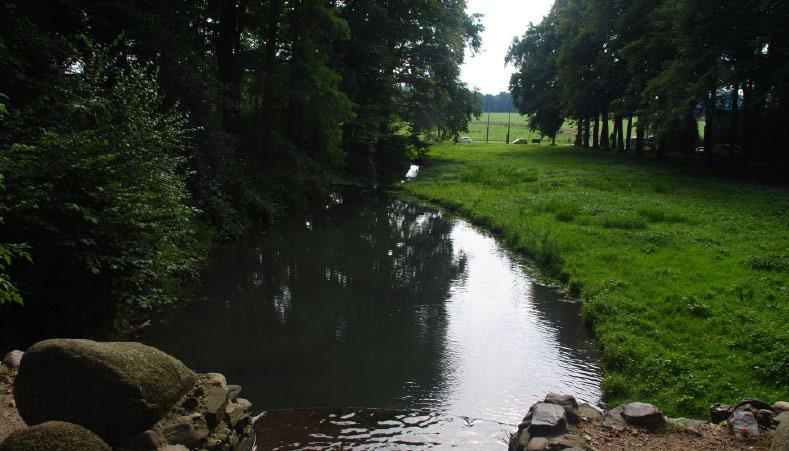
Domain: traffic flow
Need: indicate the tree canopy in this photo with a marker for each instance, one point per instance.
(666, 63)
(132, 132)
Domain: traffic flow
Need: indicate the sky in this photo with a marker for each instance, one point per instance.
(503, 20)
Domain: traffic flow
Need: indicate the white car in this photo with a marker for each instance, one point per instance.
(464, 139)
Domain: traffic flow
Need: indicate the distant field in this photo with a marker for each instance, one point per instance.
(684, 275)
(520, 129)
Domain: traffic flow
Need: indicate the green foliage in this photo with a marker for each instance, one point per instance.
(685, 285)
(101, 196)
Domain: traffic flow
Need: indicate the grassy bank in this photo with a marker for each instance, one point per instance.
(683, 275)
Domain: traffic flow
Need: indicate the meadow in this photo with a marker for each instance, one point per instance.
(683, 275)
(519, 128)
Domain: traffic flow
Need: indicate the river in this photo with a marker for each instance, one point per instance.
(374, 322)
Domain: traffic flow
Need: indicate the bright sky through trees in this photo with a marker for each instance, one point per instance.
(503, 20)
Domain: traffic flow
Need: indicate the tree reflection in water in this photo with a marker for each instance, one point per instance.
(340, 307)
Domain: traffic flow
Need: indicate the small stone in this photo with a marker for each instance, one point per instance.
(189, 431)
(236, 413)
(754, 404)
(687, 425)
(216, 401)
(742, 424)
(781, 437)
(537, 444)
(145, 440)
(547, 420)
(13, 359)
(233, 392)
(720, 412)
(216, 379)
(244, 402)
(523, 439)
(173, 448)
(643, 415)
(590, 413)
(568, 402)
(781, 406)
(565, 442)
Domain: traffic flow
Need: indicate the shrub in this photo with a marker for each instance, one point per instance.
(100, 196)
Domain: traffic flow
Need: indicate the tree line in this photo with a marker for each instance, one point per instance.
(498, 103)
(660, 66)
(135, 133)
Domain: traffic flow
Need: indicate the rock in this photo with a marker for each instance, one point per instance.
(188, 430)
(742, 424)
(781, 437)
(781, 406)
(54, 436)
(590, 413)
(782, 417)
(12, 359)
(173, 448)
(764, 417)
(565, 442)
(522, 440)
(687, 425)
(547, 420)
(233, 392)
(217, 380)
(215, 404)
(568, 402)
(720, 412)
(244, 402)
(643, 415)
(537, 444)
(91, 384)
(236, 414)
(754, 404)
(146, 440)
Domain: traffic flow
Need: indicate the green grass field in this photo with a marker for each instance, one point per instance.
(519, 128)
(684, 276)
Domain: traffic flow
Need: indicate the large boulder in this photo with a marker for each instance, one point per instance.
(54, 436)
(116, 390)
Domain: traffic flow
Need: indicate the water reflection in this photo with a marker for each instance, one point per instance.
(377, 302)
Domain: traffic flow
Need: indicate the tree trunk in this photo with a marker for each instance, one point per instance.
(596, 138)
(620, 135)
(586, 132)
(629, 132)
(640, 135)
(735, 114)
(579, 133)
(231, 71)
(604, 139)
(269, 68)
(709, 127)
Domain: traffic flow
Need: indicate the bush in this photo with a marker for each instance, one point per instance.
(100, 196)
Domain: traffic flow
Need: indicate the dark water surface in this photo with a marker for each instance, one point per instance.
(374, 302)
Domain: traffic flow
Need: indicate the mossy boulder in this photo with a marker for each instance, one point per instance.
(54, 436)
(116, 390)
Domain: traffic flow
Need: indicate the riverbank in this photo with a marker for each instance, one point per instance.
(684, 275)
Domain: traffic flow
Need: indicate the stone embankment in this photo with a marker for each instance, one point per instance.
(70, 395)
(560, 423)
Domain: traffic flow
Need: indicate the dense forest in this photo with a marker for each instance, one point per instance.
(498, 103)
(660, 66)
(134, 134)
